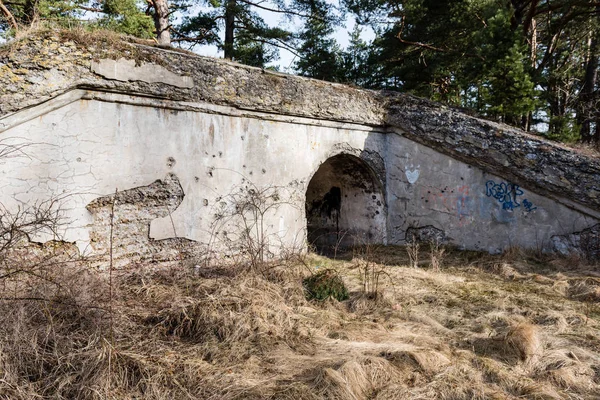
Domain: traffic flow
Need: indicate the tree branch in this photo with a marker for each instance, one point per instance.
(281, 44)
(92, 9)
(8, 15)
(428, 46)
(553, 7)
(276, 10)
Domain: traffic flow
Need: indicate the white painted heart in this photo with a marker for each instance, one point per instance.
(412, 176)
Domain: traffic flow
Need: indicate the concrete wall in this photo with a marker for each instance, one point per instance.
(206, 162)
(88, 149)
(472, 208)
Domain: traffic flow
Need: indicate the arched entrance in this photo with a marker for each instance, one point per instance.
(345, 205)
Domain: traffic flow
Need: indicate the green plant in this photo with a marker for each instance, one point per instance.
(325, 284)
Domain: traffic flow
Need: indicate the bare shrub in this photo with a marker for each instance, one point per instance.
(436, 254)
(246, 210)
(412, 248)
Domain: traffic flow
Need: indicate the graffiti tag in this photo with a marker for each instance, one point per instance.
(528, 205)
(507, 194)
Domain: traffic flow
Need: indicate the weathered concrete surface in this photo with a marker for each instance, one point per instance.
(39, 68)
(127, 70)
(469, 206)
(345, 203)
(89, 148)
(585, 244)
(98, 114)
(549, 168)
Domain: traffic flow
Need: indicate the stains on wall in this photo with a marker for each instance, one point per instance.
(499, 202)
(345, 204)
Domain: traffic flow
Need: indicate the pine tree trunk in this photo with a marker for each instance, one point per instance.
(161, 22)
(31, 11)
(586, 101)
(229, 28)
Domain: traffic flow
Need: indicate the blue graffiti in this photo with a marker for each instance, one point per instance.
(505, 193)
(528, 205)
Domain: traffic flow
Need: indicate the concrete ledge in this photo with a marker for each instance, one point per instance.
(127, 70)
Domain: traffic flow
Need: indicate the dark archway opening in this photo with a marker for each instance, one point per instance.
(345, 205)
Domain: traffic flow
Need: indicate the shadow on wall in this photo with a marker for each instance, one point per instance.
(345, 204)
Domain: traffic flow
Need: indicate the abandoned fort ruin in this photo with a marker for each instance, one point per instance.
(176, 143)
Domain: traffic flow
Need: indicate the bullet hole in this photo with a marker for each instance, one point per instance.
(378, 203)
(170, 162)
(210, 171)
(78, 159)
(264, 171)
(244, 166)
(220, 154)
(345, 195)
(462, 179)
(428, 191)
(266, 136)
(214, 156)
(377, 212)
(426, 201)
(242, 137)
(197, 179)
(250, 173)
(374, 197)
(205, 202)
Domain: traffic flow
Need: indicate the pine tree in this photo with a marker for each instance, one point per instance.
(319, 55)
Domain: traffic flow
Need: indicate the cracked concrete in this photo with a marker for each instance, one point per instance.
(92, 126)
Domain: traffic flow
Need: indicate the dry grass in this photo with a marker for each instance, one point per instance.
(483, 327)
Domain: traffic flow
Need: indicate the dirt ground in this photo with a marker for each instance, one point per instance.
(512, 326)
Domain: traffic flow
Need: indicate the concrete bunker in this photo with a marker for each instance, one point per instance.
(345, 204)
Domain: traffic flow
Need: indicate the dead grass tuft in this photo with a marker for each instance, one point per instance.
(354, 379)
(587, 289)
(524, 339)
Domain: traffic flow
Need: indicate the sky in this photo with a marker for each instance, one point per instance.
(287, 59)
